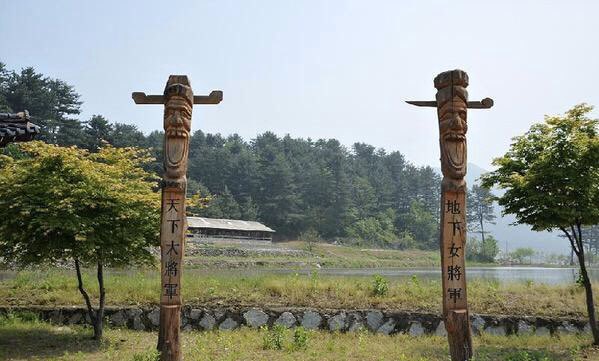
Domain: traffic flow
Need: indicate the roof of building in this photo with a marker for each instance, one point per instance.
(15, 127)
(229, 224)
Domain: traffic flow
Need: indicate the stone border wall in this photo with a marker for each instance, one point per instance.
(384, 322)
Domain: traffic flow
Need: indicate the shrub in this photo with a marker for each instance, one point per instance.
(380, 286)
(300, 339)
(273, 339)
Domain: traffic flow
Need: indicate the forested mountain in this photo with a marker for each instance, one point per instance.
(360, 194)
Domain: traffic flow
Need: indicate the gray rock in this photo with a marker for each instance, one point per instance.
(286, 319)
(542, 331)
(118, 319)
(255, 318)
(195, 314)
(56, 317)
(374, 320)
(587, 328)
(337, 322)
(387, 327)
(134, 312)
(566, 328)
(75, 318)
(219, 314)
(356, 326)
(184, 321)
(477, 325)
(228, 324)
(441, 331)
(154, 317)
(187, 328)
(137, 324)
(355, 322)
(207, 322)
(524, 328)
(311, 320)
(498, 330)
(416, 329)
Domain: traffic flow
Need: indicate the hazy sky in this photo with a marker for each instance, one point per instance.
(318, 69)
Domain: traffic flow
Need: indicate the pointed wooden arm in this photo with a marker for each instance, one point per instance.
(215, 97)
(486, 103)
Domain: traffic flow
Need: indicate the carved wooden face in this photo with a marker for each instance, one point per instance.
(177, 125)
(452, 130)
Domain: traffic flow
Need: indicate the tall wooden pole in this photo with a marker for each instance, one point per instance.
(452, 105)
(178, 100)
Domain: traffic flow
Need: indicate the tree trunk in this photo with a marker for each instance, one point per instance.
(578, 248)
(589, 297)
(98, 325)
(96, 318)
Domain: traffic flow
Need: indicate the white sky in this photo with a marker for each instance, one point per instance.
(319, 69)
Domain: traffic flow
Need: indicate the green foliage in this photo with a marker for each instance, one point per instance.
(300, 339)
(150, 355)
(520, 255)
(15, 317)
(309, 236)
(524, 355)
(482, 250)
(421, 225)
(480, 209)
(380, 285)
(551, 173)
(378, 230)
(60, 204)
(273, 338)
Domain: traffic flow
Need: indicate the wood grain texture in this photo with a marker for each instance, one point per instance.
(178, 100)
(452, 105)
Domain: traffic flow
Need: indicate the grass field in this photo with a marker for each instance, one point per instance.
(58, 287)
(24, 338)
(322, 254)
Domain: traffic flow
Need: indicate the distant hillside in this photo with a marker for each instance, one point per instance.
(517, 235)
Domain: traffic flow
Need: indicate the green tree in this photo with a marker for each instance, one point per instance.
(67, 204)
(519, 255)
(98, 132)
(377, 230)
(222, 206)
(420, 224)
(482, 251)
(480, 209)
(551, 178)
(126, 135)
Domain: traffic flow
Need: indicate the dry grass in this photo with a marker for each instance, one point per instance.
(58, 287)
(33, 340)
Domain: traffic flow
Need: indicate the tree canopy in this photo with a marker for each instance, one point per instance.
(551, 173)
(60, 203)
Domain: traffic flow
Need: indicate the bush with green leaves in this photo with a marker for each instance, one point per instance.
(273, 338)
(380, 285)
(300, 339)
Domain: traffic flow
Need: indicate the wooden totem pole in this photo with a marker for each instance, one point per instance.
(178, 100)
(452, 105)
